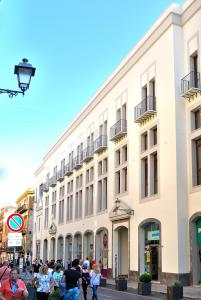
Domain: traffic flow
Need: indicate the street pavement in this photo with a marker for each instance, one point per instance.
(109, 293)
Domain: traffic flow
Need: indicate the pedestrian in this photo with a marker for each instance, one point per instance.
(4, 272)
(57, 276)
(86, 262)
(36, 267)
(13, 287)
(95, 281)
(72, 278)
(85, 279)
(43, 283)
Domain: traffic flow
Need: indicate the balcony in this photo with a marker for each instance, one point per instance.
(60, 175)
(145, 109)
(118, 130)
(78, 161)
(190, 85)
(88, 153)
(53, 181)
(21, 209)
(46, 187)
(100, 144)
(68, 169)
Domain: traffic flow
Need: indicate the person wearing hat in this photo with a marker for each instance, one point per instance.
(85, 279)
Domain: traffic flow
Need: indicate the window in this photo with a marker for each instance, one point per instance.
(124, 154)
(198, 161)
(69, 208)
(89, 200)
(117, 182)
(197, 117)
(153, 136)
(144, 142)
(102, 185)
(61, 192)
(87, 176)
(145, 177)
(100, 168)
(61, 211)
(78, 198)
(46, 217)
(124, 180)
(54, 211)
(117, 158)
(121, 158)
(54, 196)
(46, 200)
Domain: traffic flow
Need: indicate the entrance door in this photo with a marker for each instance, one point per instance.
(123, 251)
(154, 262)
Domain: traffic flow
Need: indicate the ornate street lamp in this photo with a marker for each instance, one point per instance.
(24, 72)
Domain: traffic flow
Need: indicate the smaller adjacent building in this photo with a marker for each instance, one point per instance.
(6, 253)
(25, 208)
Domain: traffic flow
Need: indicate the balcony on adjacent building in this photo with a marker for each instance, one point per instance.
(145, 109)
(22, 208)
(118, 130)
(100, 144)
(88, 153)
(53, 181)
(190, 85)
(78, 161)
(60, 175)
(68, 169)
(46, 187)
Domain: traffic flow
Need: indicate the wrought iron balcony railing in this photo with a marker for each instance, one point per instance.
(60, 175)
(88, 153)
(46, 187)
(53, 181)
(100, 143)
(145, 109)
(118, 130)
(78, 161)
(68, 169)
(190, 85)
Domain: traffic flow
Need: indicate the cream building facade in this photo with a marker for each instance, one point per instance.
(123, 183)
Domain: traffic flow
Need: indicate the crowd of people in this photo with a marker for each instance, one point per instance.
(50, 278)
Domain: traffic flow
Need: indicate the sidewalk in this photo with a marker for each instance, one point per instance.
(193, 292)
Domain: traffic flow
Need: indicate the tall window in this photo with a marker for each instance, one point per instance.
(121, 181)
(78, 197)
(198, 159)
(69, 201)
(197, 118)
(61, 211)
(89, 192)
(46, 217)
(102, 185)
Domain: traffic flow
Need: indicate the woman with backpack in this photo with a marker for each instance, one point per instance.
(85, 279)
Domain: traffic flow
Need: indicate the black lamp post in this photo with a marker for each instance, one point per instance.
(24, 72)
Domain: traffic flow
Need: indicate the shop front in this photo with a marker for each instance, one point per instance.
(150, 249)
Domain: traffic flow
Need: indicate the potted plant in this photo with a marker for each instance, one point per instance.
(31, 290)
(175, 291)
(103, 281)
(121, 283)
(55, 295)
(144, 284)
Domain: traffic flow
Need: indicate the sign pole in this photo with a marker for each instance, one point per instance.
(14, 250)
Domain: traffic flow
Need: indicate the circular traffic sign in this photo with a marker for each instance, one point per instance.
(15, 223)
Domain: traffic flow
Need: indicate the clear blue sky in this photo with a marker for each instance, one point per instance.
(74, 45)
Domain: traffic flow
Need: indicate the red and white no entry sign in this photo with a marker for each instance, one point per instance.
(15, 223)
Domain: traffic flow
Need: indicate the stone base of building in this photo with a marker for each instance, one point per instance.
(133, 275)
(170, 278)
